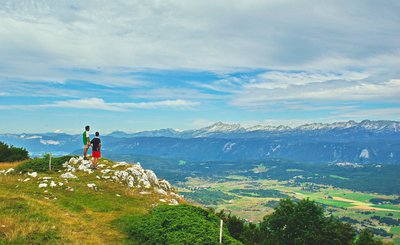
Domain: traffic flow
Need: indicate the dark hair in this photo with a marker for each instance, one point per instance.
(87, 127)
(97, 134)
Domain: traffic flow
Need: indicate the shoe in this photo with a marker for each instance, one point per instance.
(85, 158)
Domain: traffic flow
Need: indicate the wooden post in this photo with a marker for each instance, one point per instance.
(49, 162)
(220, 231)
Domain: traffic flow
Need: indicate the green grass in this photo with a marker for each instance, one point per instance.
(335, 203)
(362, 197)
(388, 206)
(32, 216)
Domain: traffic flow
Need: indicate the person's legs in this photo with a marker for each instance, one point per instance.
(95, 162)
(85, 149)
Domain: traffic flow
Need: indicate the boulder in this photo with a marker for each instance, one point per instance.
(68, 175)
(9, 171)
(174, 202)
(42, 185)
(160, 191)
(53, 184)
(165, 185)
(152, 177)
(33, 174)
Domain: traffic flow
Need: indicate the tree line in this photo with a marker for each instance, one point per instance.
(9, 153)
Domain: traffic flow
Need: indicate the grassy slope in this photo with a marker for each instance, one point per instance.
(33, 215)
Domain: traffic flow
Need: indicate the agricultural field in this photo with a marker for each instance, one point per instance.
(252, 199)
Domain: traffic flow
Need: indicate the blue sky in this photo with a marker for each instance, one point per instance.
(142, 65)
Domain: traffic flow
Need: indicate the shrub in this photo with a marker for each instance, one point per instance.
(182, 224)
(42, 164)
(11, 153)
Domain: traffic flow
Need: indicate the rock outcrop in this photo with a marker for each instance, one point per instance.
(130, 175)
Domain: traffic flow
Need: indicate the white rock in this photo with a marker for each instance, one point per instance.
(131, 181)
(152, 177)
(70, 168)
(42, 185)
(174, 202)
(91, 186)
(165, 185)
(2, 171)
(60, 183)
(163, 200)
(47, 178)
(98, 177)
(73, 160)
(120, 164)
(33, 174)
(53, 184)
(27, 179)
(101, 165)
(67, 175)
(9, 171)
(145, 183)
(121, 174)
(160, 191)
(135, 171)
(118, 195)
(105, 171)
(106, 177)
(69, 188)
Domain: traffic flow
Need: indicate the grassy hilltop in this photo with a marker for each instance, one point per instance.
(97, 207)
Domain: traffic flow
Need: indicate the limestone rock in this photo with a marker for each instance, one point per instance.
(68, 175)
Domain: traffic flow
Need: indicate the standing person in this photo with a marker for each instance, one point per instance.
(86, 142)
(96, 146)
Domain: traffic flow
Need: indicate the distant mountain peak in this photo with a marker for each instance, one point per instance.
(223, 127)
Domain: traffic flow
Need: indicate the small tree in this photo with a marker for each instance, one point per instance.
(304, 223)
(366, 237)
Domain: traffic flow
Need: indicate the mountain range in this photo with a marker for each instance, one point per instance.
(357, 142)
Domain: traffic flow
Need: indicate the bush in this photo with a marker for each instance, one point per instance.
(11, 153)
(42, 164)
(182, 224)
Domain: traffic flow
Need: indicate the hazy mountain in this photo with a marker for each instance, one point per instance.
(363, 142)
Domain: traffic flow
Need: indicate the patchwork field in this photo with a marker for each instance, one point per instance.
(253, 199)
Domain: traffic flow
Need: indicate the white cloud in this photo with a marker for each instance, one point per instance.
(373, 114)
(328, 91)
(100, 104)
(208, 35)
(34, 137)
(50, 142)
(280, 79)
